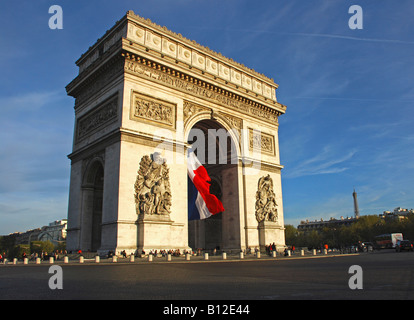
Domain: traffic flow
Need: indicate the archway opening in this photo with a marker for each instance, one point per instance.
(217, 152)
(92, 193)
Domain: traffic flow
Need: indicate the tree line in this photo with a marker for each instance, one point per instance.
(9, 250)
(364, 229)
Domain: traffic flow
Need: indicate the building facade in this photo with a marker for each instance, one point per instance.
(318, 225)
(397, 214)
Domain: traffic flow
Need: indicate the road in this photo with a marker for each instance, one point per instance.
(386, 275)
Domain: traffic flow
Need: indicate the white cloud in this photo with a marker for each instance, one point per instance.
(325, 162)
(31, 101)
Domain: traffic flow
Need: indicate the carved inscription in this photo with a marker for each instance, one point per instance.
(151, 109)
(265, 200)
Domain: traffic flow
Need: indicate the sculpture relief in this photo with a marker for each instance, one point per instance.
(265, 201)
(147, 108)
(99, 117)
(152, 187)
(261, 141)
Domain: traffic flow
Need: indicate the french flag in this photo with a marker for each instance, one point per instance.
(201, 203)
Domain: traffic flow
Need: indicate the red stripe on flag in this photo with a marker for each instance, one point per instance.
(201, 181)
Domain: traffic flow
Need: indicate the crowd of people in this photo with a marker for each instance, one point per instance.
(270, 248)
(164, 253)
(43, 255)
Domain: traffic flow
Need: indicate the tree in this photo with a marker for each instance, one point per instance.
(291, 234)
(41, 246)
(18, 251)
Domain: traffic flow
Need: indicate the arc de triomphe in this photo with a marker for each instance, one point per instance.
(142, 96)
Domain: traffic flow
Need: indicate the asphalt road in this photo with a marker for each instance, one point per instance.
(386, 275)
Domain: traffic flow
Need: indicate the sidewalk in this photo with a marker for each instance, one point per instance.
(181, 259)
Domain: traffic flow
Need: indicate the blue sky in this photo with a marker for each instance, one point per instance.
(349, 96)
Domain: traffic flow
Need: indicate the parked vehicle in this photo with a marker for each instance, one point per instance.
(367, 246)
(403, 245)
(387, 241)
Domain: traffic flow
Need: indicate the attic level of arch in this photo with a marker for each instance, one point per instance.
(205, 84)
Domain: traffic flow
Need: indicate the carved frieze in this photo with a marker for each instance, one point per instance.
(186, 84)
(266, 201)
(100, 116)
(97, 81)
(191, 109)
(152, 186)
(261, 141)
(145, 108)
(235, 123)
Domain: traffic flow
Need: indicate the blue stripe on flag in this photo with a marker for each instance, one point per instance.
(193, 213)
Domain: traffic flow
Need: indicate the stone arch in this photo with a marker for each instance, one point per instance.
(217, 121)
(92, 203)
(222, 230)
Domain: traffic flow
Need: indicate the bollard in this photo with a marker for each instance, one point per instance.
(132, 258)
(274, 253)
(302, 252)
(168, 257)
(38, 261)
(15, 261)
(187, 256)
(224, 254)
(258, 254)
(51, 260)
(289, 253)
(97, 259)
(314, 252)
(66, 259)
(25, 261)
(81, 259)
(325, 251)
(205, 256)
(150, 257)
(241, 255)
(114, 259)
